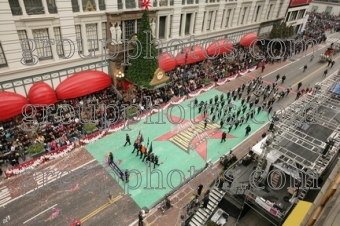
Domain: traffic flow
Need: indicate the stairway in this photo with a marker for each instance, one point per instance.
(202, 215)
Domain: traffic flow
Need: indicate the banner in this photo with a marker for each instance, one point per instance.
(115, 168)
(299, 2)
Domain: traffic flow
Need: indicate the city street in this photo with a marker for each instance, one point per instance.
(83, 193)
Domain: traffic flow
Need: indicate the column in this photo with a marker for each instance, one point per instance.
(184, 19)
(53, 46)
(167, 25)
(252, 12)
(157, 28)
(84, 38)
(22, 5)
(45, 7)
(80, 3)
(97, 5)
(192, 22)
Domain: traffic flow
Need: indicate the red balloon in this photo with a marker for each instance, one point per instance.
(11, 104)
(248, 39)
(166, 61)
(42, 93)
(219, 47)
(193, 54)
(83, 83)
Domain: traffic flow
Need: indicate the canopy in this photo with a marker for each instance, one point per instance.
(219, 47)
(297, 215)
(248, 39)
(191, 55)
(166, 61)
(11, 104)
(83, 83)
(42, 93)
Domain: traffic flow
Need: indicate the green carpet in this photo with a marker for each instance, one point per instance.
(180, 149)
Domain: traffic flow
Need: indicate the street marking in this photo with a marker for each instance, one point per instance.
(313, 73)
(5, 196)
(40, 213)
(34, 190)
(95, 212)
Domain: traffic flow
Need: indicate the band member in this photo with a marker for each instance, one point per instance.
(135, 147)
(145, 155)
(152, 158)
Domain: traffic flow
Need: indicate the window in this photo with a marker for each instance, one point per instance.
(257, 13)
(130, 4)
(75, 6)
(227, 18)
(243, 14)
(195, 17)
(58, 37)
(25, 46)
(328, 10)
(3, 61)
(138, 25)
(180, 25)
(294, 14)
(129, 28)
(269, 11)
(52, 8)
(15, 7)
(204, 15)
(102, 5)
(314, 9)
(188, 23)
(280, 7)
(209, 20)
(42, 47)
(301, 14)
(288, 15)
(79, 38)
(104, 31)
(34, 7)
(161, 27)
(89, 5)
(92, 37)
(170, 26)
(223, 16)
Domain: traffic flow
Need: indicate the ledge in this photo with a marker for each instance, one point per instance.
(91, 14)
(36, 17)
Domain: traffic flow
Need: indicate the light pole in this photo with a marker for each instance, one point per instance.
(120, 75)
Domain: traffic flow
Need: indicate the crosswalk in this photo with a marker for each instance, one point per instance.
(333, 40)
(47, 176)
(5, 196)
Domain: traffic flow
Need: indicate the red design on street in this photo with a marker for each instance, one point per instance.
(193, 136)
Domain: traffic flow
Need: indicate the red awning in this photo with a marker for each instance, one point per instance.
(42, 93)
(191, 55)
(11, 104)
(83, 83)
(248, 39)
(166, 61)
(219, 47)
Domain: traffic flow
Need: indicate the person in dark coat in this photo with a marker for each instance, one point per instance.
(127, 140)
(205, 201)
(224, 136)
(127, 175)
(110, 158)
(199, 189)
(248, 129)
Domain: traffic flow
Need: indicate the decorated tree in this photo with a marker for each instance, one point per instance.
(141, 71)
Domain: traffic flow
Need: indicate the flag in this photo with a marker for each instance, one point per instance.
(148, 142)
(150, 150)
(141, 138)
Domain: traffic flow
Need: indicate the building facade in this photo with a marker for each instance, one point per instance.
(296, 14)
(56, 28)
(331, 7)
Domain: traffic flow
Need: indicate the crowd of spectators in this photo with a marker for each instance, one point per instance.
(62, 125)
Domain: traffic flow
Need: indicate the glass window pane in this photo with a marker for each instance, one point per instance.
(42, 47)
(92, 37)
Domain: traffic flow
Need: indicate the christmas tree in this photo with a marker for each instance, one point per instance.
(141, 70)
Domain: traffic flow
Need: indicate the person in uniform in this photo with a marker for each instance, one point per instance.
(145, 155)
(152, 159)
(248, 129)
(127, 175)
(224, 136)
(127, 140)
(135, 147)
(110, 158)
(155, 162)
